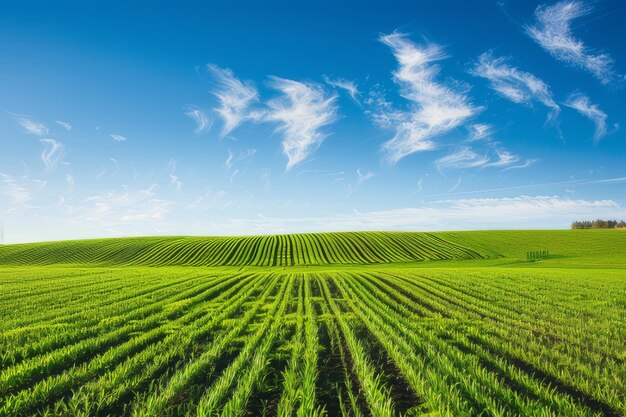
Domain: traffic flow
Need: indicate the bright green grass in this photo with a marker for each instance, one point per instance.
(280, 250)
(565, 246)
(354, 324)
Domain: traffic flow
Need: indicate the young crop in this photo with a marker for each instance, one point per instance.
(334, 324)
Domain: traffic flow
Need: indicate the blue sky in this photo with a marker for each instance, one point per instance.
(213, 118)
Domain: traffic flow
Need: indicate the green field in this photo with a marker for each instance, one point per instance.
(337, 324)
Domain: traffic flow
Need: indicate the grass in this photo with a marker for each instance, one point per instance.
(337, 324)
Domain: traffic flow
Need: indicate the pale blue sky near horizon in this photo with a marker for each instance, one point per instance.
(245, 118)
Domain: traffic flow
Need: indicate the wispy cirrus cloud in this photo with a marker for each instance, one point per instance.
(235, 97)
(199, 116)
(581, 103)
(125, 206)
(302, 111)
(30, 125)
(472, 213)
(436, 108)
(364, 176)
(233, 158)
(461, 159)
(19, 190)
(63, 124)
(466, 158)
(480, 131)
(518, 86)
(349, 86)
(552, 30)
(503, 158)
(171, 172)
(52, 154)
(118, 138)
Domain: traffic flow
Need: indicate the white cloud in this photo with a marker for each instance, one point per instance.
(174, 180)
(361, 178)
(552, 30)
(505, 158)
(229, 160)
(52, 153)
(66, 125)
(19, 191)
(524, 164)
(420, 184)
(199, 116)
(31, 126)
(233, 175)
(235, 97)
(435, 108)
(211, 199)
(301, 111)
(583, 105)
(480, 131)
(461, 159)
(364, 177)
(518, 86)
(118, 138)
(571, 183)
(465, 158)
(346, 85)
(232, 159)
(466, 214)
(126, 206)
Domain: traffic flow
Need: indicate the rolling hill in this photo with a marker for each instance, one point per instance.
(602, 246)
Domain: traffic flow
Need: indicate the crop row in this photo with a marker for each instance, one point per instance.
(356, 342)
(277, 250)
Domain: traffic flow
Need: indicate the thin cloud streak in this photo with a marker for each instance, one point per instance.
(364, 177)
(552, 30)
(19, 191)
(480, 131)
(616, 180)
(174, 180)
(466, 158)
(346, 85)
(235, 98)
(505, 158)
(520, 211)
(31, 126)
(583, 105)
(124, 207)
(201, 119)
(436, 108)
(118, 138)
(52, 153)
(463, 158)
(63, 124)
(302, 111)
(517, 86)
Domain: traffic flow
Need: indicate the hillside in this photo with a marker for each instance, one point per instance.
(607, 246)
(276, 250)
(99, 328)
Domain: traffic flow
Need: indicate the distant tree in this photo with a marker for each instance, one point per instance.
(585, 224)
(598, 224)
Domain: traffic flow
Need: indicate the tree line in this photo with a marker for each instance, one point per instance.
(598, 224)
